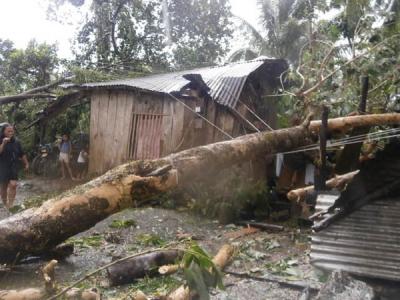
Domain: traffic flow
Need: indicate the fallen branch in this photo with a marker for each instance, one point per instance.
(339, 182)
(46, 86)
(18, 98)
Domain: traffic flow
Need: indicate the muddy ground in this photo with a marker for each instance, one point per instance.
(261, 255)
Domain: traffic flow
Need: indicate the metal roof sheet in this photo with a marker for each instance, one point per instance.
(366, 242)
(225, 82)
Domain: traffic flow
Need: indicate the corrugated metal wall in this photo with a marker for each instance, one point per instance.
(366, 243)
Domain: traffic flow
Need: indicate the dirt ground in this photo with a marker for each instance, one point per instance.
(262, 255)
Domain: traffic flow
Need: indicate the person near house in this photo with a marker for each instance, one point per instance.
(82, 161)
(10, 154)
(65, 147)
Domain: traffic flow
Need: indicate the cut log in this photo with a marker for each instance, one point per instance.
(34, 231)
(168, 269)
(138, 267)
(339, 182)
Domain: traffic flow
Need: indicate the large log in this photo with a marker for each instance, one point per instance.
(131, 185)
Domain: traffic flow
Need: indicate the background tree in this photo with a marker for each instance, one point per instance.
(360, 38)
(286, 27)
(152, 36)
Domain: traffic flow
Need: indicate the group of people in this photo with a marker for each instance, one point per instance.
(65, 147)
(11, 154)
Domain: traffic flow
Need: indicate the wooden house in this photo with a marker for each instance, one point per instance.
(152, 116)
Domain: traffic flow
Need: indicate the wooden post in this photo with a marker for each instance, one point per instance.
(323, 172)
(349, 158)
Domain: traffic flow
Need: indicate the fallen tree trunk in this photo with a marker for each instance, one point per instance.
(299, 195)
(34, 231)
(131, 185)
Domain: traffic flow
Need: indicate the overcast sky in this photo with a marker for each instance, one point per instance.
(23, 20)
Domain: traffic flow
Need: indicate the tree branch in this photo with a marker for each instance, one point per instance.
(21, 97)
(319, 83)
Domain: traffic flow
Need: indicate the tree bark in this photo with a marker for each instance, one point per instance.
(34, 231)
(138, 267)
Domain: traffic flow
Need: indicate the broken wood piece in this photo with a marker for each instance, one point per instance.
(261, 225)
(138, 267)
(49, 276)
(241, 232)
(221, 260)
(223, 256)
(338, 182)
(139, 295)
(169, 269)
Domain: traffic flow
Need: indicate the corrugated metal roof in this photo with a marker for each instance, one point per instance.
(225, 82)
(366, 242)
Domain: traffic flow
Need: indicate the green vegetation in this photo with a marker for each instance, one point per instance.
(121, 224)
(95, 240)
(150, 240)
(156, 285)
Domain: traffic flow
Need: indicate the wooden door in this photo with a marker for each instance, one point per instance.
(145, 136)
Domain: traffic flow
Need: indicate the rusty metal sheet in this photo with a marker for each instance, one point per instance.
(225, 82)
(366, 242)
(145, 141)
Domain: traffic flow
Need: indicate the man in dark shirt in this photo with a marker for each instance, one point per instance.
(10, 153)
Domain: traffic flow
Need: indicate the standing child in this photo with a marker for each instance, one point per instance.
(65, 147)
(83, 159)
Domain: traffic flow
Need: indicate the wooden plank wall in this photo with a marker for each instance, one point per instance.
(115, 113)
